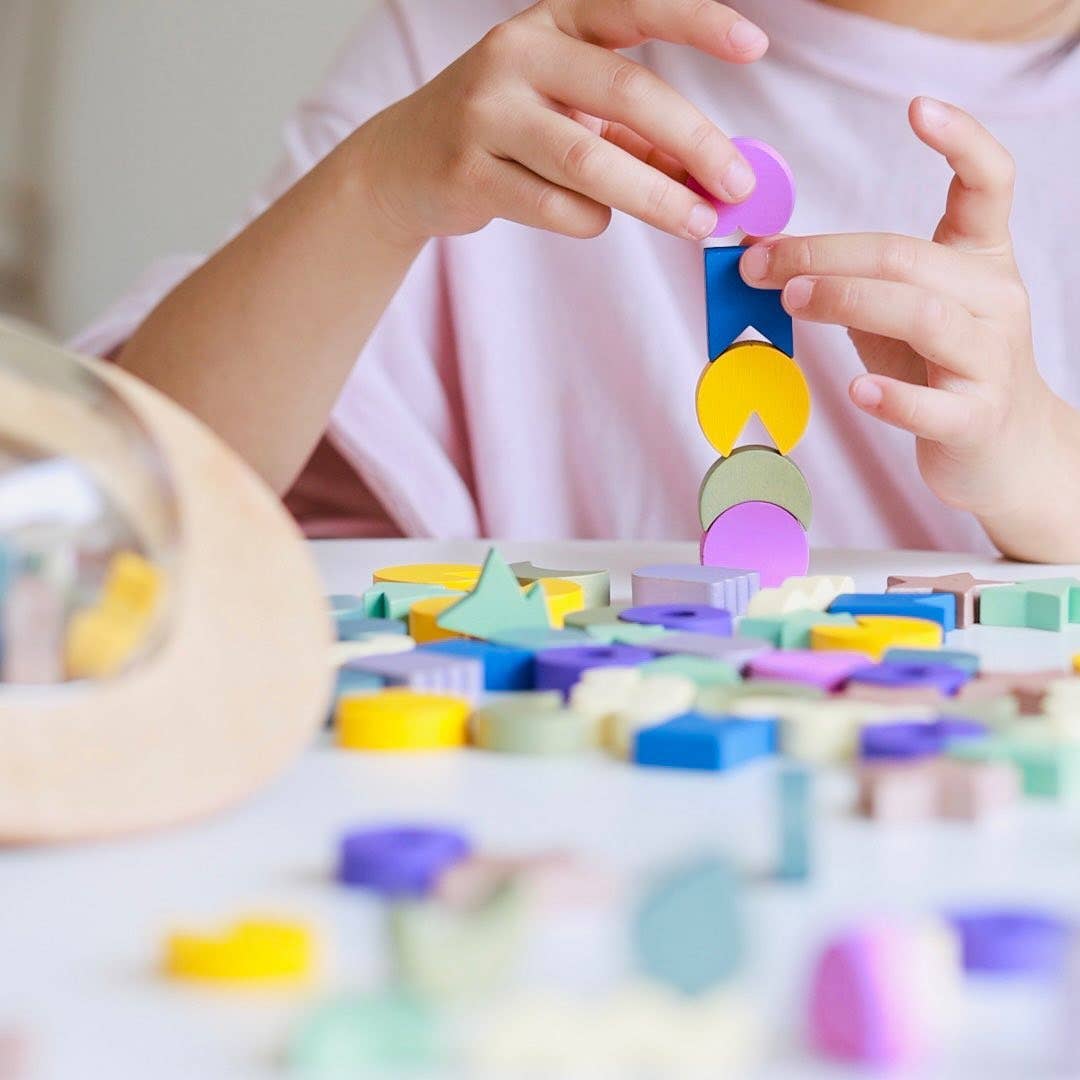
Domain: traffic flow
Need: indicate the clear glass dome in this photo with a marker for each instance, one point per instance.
(88, 523)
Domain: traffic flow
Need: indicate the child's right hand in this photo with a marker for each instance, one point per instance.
(543, 123)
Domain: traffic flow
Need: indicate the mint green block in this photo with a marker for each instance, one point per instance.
(965, 661)
(790, 631)
(698, 669)
(531, 723)
(624, 633)
(1046, 604)
(393, 599)
(1049, 769)
(384, 1034)
(598, 616)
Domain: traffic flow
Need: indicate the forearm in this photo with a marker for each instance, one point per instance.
(259, 341)
(1041, 521)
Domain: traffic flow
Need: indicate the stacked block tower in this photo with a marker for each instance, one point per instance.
(754, 503)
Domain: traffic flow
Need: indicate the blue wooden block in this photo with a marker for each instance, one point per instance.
(353, 627)
(732, 306)
(695, 741)
(505, 668)
(937, 607)
(965, 661)
(795, 812)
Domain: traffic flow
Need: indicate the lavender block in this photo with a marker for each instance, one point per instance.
(737, 651)
(825, 668)
(946, 679)
(689, 583)
(692, 618)
(430, 672)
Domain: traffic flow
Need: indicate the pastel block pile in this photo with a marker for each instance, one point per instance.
(754, 503)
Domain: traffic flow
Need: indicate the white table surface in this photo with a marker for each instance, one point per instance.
(81, 928)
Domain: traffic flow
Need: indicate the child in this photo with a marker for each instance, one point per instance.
(481, 377)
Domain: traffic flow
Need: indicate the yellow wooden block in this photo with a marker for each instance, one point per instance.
(254, 950)
(459, 576)
(874, 634)
(99, 642)
(133, 585)
(799, 594)
(1076, 663)
(753, 377)
(402, 720)
(563, 598)
(423, 616)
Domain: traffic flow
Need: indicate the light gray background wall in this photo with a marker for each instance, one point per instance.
(161, 118)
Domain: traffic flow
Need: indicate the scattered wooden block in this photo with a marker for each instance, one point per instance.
(505, 668)
(828, 670)
(938, 608)
(624, 633)
(251, 951)
(399, 860)
(1028, 688)
(496, 604)
(532, 724)
(428, 670)
(1048, 769)
(394, 599)
(898, 697)
(716, 586)
(457, 577)
(897, 791)
(695, 741)
(975, 790)
(754, 473)
(537, 639)
(700, 670)
(692, 618)
(1046, 604)
(874, 634)
(351, 627)
(791, 631)
(561, 669)
(732, 306)
(402, 720)
(688, 930)
(342, 652)
(424, 618)
(799, 594)
(964, 588)
(965, 661)
(760, 537)
(595, 584)
(736, 651)
(658, 699)
(563, 598)
(1012, 941)
(599, 616)
(795, 820)
(945, 679)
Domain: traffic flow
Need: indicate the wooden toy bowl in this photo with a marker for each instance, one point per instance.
(236, 682)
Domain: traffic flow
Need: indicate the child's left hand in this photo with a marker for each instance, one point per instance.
(944, 329)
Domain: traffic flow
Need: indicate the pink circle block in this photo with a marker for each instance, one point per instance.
(769, 209)
(758, 536)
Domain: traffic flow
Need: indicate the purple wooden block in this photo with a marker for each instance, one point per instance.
(688, 583)
(561, 669)
(760, 536)
(824, 668)
(431, 672)
(945, 678)
(1011, 941)
(399, 861)
(737, 651)
(904, 739)
(694, 618)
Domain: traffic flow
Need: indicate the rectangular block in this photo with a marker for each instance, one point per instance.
(1044, 604)
(939, 608)
(732, 306)
(693, 741)
(678, 583)
(427, 671)
(791, 631)
(736, 651)
(505, 668)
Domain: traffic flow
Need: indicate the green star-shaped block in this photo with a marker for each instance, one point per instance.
(496, 604)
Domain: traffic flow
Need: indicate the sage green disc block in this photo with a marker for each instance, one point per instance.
(698, 669)
(595, 584)
(599, 616)
(386, 1034)
(444, 952)
(754, 474)
(532, 722)
(716, 700)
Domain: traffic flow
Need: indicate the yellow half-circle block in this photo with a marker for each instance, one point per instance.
(423, 626)
(563, 598)
(402, 720)
(753, 377)
(254, 950)
(874, 634)
(460, 576)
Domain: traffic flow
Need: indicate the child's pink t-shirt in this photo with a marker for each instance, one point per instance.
(523, 384)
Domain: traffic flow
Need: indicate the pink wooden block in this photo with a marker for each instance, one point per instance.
(770, 207)
(898, 792)
(865, 998)
(974, 790)
(758, 536)
(826, 669)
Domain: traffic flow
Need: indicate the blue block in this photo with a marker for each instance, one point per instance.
(505, 667)
(937, 607)
(965, 661)
(694, 741)
(732, 306)
(352, 627)
(795, 791)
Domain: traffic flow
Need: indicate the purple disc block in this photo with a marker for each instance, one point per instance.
(1011, 941)
(758, 536)
(399, 860)
(945, 678)
(903, 739)
(769, 208)
(561, 669)
(695, 618)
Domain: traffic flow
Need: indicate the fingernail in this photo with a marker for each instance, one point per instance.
(702, 221)
(866, 392)
(755, 263)
(934, 113)
(797, 292)
(745, 37)
(738, 179)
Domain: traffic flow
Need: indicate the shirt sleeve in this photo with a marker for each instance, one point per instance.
(407, 375)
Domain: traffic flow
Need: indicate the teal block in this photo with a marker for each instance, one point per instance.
(624, 633)
(1044, 604)
(393, 599)
(791, 631)
(599, 616)
(698, 669)
(965, 661)
(1049, 769)
(795, 813)
(688, 930)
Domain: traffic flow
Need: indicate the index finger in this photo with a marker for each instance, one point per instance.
(707, 25)
(981, 195)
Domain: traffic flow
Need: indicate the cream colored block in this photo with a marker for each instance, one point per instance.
(602, 692)
(799, 594)
(658, 698)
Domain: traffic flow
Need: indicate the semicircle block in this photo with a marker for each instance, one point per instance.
(758, 536)
(753, 377)
(754, 473)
